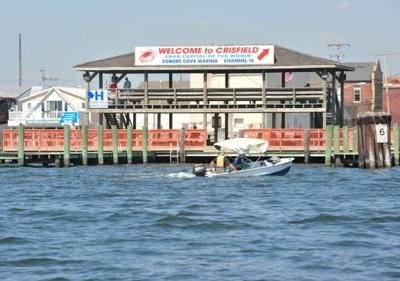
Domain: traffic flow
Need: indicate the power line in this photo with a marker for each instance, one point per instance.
(338, 47)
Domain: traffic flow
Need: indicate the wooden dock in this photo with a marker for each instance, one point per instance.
(64, 147)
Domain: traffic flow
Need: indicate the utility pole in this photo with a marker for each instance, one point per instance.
(385, 60)
(20, 61)
(339, 47)
(386, 82)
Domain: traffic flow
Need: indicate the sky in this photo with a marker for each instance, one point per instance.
(59, 34)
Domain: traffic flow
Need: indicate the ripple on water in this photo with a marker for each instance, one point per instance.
(323, 218)
(13, 240)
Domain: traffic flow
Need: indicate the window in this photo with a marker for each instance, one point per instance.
(357, 94)
(42, 106)
(83, 105)
(65, 106)
(29, 105)
(54, 105)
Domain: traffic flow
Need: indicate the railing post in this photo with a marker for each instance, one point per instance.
(115, 144)
(21, 145)
(100, 145)
(66, 146)
(129, 136)
(84, 144)
(328, 145)
(396, 140)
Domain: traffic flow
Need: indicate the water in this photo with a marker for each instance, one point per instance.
(157, 222)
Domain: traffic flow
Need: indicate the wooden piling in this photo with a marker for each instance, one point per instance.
(21, 146)
(66, 146)
(336, 145)
(144, 144)
(115, 144)
(84, 144)
(396, 143)
(355, 139)
(387, 155)
(328, 145)
(360, 144)
(307, 146)
(129, 136)
(375, 130)
(182, 156)
(345, 139)
(57, 162)
(100, 145)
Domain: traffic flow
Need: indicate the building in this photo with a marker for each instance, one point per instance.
(8, 97)
(273, 105)
(39, 107)
(362, 90)
(391, 98)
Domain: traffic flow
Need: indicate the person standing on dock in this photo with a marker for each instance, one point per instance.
(127, 83)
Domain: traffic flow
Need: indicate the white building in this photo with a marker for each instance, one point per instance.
(39, 107)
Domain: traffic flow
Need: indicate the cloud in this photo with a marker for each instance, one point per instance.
(344, 5)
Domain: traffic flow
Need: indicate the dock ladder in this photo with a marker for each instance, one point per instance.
(173, 154)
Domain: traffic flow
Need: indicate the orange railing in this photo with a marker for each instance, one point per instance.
(293, 139)
(53, 139)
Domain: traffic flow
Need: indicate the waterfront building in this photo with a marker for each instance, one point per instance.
(39, 107)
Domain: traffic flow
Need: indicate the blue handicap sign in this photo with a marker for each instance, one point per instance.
(69, 117)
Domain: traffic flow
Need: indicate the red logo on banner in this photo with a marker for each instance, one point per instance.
(147, 56)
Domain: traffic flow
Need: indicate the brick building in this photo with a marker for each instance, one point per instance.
(362, 90)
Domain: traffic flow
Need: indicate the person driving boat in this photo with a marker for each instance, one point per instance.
(221, 163)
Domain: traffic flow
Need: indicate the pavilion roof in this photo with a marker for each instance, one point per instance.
(285, 60)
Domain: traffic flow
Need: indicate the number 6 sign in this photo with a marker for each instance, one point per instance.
(381, 133)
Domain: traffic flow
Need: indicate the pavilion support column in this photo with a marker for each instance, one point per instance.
(134, 121)
(264, 98)
(216, 116)
(334, 99)
(170, 85)
(226, 114)
(101, 122)
(146, 89)
(205, 99)
(226, 126)
(158, 120)
(342, 78)
(283, 83)
(274, 120)
(324, 103)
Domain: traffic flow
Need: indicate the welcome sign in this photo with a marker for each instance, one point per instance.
(205, 55)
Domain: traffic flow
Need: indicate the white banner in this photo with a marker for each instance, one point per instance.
(98, 98)
(205, 55)
(381, 133)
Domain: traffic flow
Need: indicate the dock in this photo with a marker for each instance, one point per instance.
(64, 147)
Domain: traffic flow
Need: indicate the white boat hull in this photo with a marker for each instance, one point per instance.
(259, 168)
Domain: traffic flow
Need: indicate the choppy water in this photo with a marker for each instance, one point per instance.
(156, 222)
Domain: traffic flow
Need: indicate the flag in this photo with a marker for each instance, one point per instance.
(288, 76)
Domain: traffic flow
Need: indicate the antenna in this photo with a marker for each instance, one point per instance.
(338, 47)
(20, 61)
(45, 78)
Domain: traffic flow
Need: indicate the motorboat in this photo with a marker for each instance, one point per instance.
(263, 166)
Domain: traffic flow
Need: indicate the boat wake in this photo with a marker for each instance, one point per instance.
(181, 175)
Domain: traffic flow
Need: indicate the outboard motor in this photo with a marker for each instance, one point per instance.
(199, 170)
